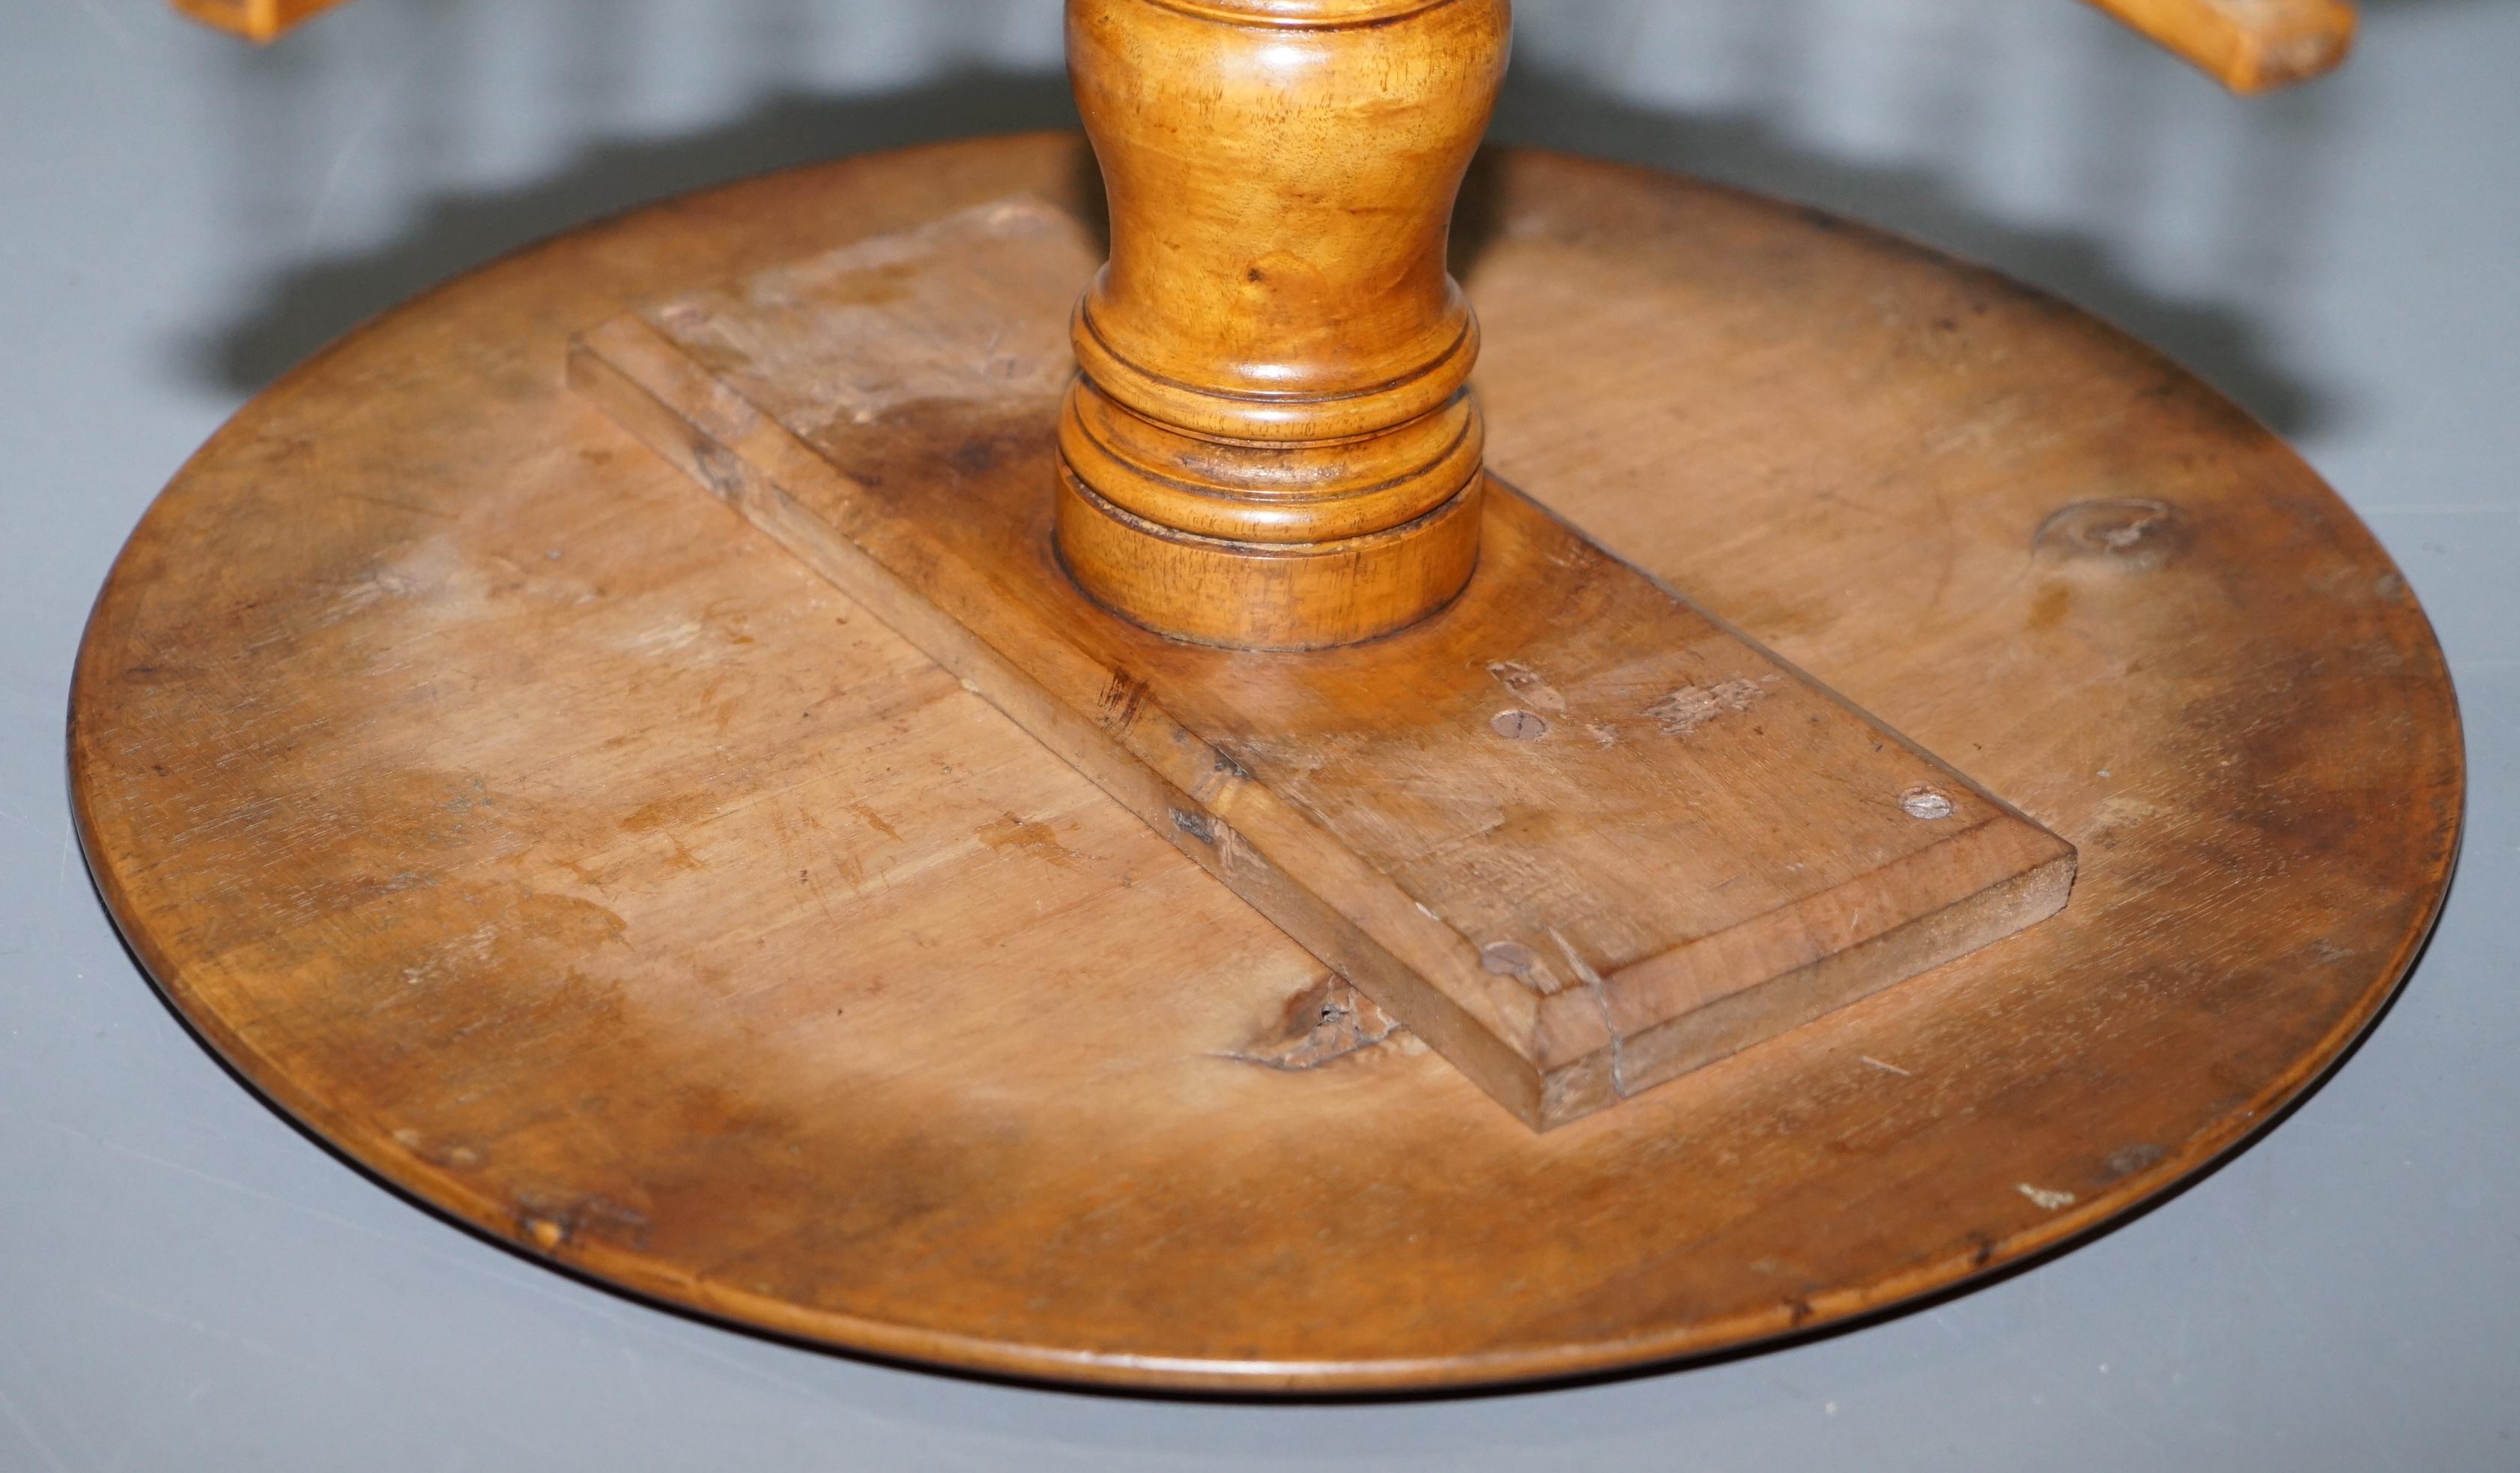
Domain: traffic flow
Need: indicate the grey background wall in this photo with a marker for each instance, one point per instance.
(186, 1283)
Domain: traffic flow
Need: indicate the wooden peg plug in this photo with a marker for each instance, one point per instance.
(1272, 442)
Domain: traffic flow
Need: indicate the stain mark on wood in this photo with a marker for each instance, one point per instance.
(1012, 835)
(2133, 535)
(721, 470)
(875, 821)
(551, 1224)
(2126, 1161)
(2048, 610)
(1123, 697)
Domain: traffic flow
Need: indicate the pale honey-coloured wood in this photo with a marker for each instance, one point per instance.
(2248, 45)
(588, 868)
(1272, 442)
(1576, 835)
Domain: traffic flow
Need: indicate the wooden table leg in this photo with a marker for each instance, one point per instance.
(1273, 443)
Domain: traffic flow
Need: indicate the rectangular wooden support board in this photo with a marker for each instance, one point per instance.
(1573, 831)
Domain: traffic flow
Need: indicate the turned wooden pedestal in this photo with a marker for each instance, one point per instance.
(1572, 832)
(1567, 828)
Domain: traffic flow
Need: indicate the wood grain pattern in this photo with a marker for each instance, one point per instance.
(1576, 835)
(575, 860)
(1272, 442)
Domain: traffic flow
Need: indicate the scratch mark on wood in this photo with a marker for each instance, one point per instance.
(1528, 686)
(1122, 698)
(1692, 707)
(874, 821)
(666, 813)
(1593, 982)
(1324, 1023)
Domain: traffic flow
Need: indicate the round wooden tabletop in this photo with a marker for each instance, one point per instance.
(533, 830)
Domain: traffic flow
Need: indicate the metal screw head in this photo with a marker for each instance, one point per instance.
(1926, 804)
(1507, 958)
(1518, 726)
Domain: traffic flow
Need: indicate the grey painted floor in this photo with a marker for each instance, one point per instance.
(188, 1283)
